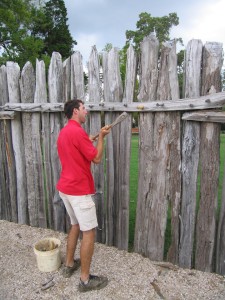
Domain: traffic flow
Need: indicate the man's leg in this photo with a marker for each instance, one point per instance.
(72, 239)
(86, 253)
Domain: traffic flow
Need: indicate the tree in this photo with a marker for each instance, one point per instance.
(16, 40)
(51, 25)
(148, 24)
(29, 31)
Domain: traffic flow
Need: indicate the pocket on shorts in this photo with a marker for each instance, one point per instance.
(87, 205)
(88, 211)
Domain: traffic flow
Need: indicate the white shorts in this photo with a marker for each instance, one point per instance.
(81, 210)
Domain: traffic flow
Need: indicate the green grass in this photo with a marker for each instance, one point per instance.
(134, 190)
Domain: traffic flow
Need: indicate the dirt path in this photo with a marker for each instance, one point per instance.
(130, 275)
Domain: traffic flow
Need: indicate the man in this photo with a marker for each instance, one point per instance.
(76, 188)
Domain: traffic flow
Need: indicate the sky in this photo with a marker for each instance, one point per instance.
(98, 22)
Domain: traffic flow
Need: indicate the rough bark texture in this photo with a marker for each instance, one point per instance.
(190, 155)
(13, 75)
(209, 157)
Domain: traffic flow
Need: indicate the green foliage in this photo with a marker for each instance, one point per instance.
(15, 37)
(28, 32)
(51, 25)
(148, 24)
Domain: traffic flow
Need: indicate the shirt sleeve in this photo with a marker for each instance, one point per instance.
(85, 146)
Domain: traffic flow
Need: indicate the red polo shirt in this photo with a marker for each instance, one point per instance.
(76, 152)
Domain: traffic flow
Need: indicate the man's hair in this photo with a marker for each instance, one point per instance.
(70, 105)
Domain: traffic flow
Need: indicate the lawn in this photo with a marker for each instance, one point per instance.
(134, 188)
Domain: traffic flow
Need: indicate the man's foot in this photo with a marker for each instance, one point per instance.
(94, 283)
(68, 271)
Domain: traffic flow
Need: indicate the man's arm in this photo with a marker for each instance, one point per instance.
(100, 145)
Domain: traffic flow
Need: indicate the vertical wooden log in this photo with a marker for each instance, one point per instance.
(220, 250)
(148, 87)
(77, 77)
(190, 155)
(41, 97)
(124, 153)
(8, 190)
(109, 222)
(13, 75)
(112, 93)
(55, 88)
(166, 175)
(27, 88)
(95, 125)
(209, 158)
(66, 80)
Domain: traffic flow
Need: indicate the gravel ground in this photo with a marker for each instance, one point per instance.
(131, 276)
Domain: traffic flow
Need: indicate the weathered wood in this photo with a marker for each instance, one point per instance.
(13, 74)
(209, 157)
(204, 102)
(8, 196)
(77, 77)
(190, 155)
(148, 69)
(67, 79)
(112, 93)
(7, 115)
(27, 89)
(220, 253)
(41, 97)
(209, 179)
(166, 169)
(159, 148)
(205, 116)
(124, 153)
(148, 88)
(38, 151)
(95, 125)
(55, 88)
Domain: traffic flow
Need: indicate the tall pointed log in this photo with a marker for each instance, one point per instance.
(95, 125)
(55, 88)
(190, 156)
(8, 192)
(112, 93)
(27, 88)
(148, 88)
(13, 75)
(209, 157)
(124, 153)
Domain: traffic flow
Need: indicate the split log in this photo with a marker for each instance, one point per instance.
(209, 158)
(13, 75)
(190, 156)
(55, 88)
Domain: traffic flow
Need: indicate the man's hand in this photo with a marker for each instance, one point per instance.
(105, 130)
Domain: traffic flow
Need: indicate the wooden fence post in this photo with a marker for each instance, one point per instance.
(95, 125)
(27, 89)
(167, 159)
(113, 93)
(8, 190)
(13, 75)
(145, 205)
(124, 153)
(190, 155)
(55, 87)
(209, 157)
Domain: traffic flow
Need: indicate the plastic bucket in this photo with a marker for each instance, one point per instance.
(48, 254)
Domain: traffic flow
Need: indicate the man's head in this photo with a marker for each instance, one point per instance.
(74, 109)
